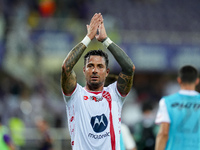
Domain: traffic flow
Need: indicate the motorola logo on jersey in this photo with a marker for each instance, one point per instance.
(99, 123)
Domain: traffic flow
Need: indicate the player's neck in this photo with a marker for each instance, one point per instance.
(189, 87)
(94, 89)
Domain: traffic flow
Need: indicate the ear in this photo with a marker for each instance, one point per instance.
(84, 69)
(107, 71)
(179, 80)
(197, 81)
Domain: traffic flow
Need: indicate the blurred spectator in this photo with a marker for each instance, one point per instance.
(46, 142)
(17, 128)
(2, 25)
(171, 87)
(5, 139)
(131, 112)
(145, 131)
(47, 7)
(127, 142)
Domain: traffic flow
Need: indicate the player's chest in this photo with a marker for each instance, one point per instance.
(95, 103)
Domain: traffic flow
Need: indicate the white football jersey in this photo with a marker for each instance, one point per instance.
(94, 118)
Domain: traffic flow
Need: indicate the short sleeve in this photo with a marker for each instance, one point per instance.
(67, 99)
(113, 87)
(162, 114)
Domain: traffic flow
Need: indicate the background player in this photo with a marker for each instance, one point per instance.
(179, 115)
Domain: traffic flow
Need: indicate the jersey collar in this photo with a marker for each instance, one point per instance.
(93, 92)
(188, 92)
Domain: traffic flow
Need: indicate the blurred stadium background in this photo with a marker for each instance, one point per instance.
(35, 36)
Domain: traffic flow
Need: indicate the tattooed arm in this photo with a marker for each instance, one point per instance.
(68, 76)
(125, 79)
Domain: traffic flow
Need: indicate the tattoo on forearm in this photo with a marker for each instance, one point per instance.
(74, 56)
(124, 83)
(122, 58)
(68, 79)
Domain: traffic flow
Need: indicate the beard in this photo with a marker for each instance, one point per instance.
(94, 84)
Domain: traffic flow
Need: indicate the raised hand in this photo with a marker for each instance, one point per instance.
(95, 22)
(102, 33)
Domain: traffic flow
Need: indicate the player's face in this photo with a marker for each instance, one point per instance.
(95, 71)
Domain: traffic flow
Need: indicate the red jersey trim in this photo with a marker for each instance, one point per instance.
(107, 96)
(94, 92)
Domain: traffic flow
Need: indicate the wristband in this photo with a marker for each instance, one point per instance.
(86, 41)
(104, 40)
(107, 42)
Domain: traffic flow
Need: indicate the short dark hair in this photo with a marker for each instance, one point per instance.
(188, 74)
(147, 106)
(97, 53)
